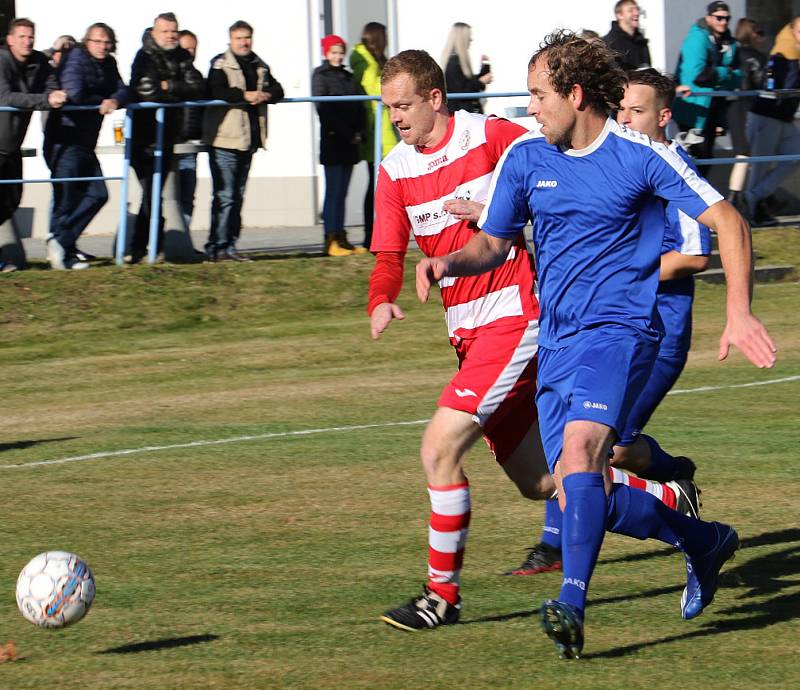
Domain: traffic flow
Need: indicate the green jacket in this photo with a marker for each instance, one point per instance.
(368, 74)
(706, 63)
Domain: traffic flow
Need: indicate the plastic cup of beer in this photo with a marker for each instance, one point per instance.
(119, 134)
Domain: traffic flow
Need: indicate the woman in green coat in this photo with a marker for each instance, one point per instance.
(367, 61)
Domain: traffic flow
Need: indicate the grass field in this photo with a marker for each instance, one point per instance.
(264, 562)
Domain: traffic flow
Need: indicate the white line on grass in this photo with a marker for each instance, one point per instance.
(703, 389)
(309, 432)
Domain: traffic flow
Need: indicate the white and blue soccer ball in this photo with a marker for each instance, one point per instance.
(55, 589)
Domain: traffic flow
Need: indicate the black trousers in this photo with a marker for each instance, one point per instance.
(10, 194)
(143, 162)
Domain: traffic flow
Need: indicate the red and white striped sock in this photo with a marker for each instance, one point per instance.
(447, 535)
(661, 491)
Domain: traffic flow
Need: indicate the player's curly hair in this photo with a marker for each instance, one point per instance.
(593, 65)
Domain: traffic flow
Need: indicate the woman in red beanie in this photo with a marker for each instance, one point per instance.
(342, 126)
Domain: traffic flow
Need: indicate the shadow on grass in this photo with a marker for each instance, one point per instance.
(155, 645)
(19, 445)
(766, 575)
(767, 539)
(762, 576)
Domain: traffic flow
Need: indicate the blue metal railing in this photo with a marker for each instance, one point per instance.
(159, 172)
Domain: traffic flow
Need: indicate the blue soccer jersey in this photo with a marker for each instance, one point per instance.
(674, 299)
(598, 225)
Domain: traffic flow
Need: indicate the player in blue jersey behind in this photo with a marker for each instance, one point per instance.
(684, 252)
(595, 193)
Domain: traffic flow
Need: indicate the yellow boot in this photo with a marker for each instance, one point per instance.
(341, 237)
(333, 248)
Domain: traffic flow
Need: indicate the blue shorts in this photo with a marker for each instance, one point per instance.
(666, 371)
(597, 378)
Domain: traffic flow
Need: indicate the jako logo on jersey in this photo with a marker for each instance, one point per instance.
(437, 161)
(465, 393)
(580, 584)
(594, 406)
(547, 184)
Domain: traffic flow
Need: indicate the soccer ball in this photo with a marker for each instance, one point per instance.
(55, 589)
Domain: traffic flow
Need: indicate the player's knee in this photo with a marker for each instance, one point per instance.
(436, 459)
(580, 453)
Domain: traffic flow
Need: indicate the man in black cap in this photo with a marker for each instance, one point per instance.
(626, 38)
(708, 61)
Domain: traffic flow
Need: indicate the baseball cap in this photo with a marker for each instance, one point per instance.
(716, 7)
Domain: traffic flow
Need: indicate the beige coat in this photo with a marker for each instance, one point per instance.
(229, 128)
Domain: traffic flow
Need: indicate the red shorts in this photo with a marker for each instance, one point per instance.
(496, 384)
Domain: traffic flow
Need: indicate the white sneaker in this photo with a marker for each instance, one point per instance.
(75, 265)
(55, 253)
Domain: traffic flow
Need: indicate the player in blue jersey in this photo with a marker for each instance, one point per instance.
(594, 191)
(684, 252)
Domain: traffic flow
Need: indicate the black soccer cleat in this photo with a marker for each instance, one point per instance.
(688, 497)
(426, 611)
(563, 624)
(686, 468)
(542, 558)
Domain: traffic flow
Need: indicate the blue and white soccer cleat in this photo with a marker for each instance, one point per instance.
(702, 572)
(563, 624)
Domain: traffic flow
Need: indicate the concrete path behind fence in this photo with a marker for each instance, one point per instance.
(274, 239)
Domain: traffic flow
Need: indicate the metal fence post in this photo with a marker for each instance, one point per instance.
(122, 230)
(378, 153)
(155, 197)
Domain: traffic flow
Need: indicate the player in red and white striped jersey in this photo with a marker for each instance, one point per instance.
(431, 184)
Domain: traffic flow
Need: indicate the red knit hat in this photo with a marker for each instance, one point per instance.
(332, 40)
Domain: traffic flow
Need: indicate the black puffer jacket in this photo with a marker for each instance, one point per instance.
(152, 66)
(22, 85)
(339, 122)
(633, 50)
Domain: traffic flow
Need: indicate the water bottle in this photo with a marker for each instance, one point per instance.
(769, 75)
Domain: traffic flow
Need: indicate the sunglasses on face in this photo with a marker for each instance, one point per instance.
(722, 17)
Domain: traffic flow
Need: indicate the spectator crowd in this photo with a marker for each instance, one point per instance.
(85, 73)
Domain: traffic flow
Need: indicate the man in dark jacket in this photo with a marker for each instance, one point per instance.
(89, 75)
(26, 81)
(191, 131)
(163, 72)
(625, 37)
(771, 129)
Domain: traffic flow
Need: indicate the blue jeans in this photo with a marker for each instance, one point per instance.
(229, 170)
(75, 204)
(187, 183)
(768, 137)
(337, 180)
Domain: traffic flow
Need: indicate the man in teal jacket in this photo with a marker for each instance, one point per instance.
(708, 61)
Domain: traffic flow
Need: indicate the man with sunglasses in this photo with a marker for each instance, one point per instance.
(708, 61)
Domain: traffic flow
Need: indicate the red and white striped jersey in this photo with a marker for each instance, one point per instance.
(412, 188)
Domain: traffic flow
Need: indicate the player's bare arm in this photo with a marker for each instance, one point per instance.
(482, 253)
(464, 209)
(742, 329)
(676, 265)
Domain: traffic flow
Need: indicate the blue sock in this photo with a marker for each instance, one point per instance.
(641, 515)
(582, 534)
(551, 532)
(663, 466)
